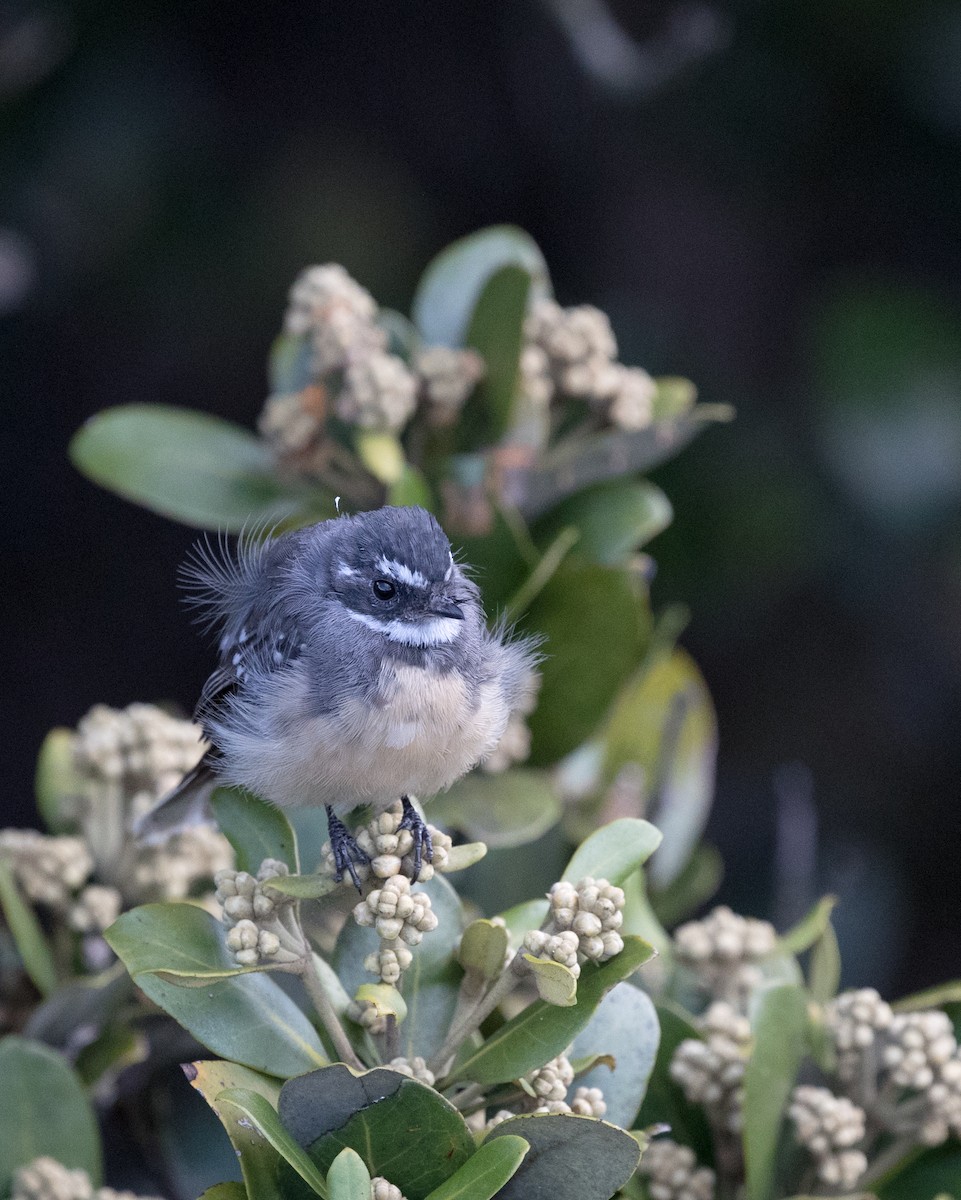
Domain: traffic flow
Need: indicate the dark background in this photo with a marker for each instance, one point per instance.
(764, 196)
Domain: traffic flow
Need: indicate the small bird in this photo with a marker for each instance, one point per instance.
(356, 669)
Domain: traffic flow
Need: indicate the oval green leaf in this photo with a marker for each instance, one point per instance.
(348, 1178)
(485, 1172)
(614, 852)
(780, 1035)
(580, 674)
(449, 288)
(190, 466)
(664, 1102)
(568, 1156)
(273, 1165)
(45, 1112)
(27, 935)
(256, 829)
(613, 520)
(56, 783)
(542, 1031)
(624, 1026)
(401, 1128)
(510, 808)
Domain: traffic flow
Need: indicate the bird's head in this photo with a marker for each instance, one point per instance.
(394, 572)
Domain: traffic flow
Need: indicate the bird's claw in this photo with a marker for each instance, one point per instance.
(345, 850)
(423, 845)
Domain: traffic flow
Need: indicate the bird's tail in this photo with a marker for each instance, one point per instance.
(188, 804)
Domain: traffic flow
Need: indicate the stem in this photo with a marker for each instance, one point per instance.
(469, 1097)
(474, 1017)
(328, 1016)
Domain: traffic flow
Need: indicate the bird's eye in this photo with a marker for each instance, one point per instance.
(384, 589)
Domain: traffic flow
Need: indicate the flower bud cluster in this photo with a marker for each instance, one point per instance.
(47, 1179)
(829, 1127)
(330, 308)
(173, 869)
(259, 921)
(588, 1102)
(582, 924)
(415, 1068)
(916, 1051)
(96, 907)
(400, 917)
(49, 869)
(579, 345)
(141, 750)
(711, 1072)
(856, 1021)
(447, 377)
(391, 849)
(724, 951)
(381, 1189)
(551, 1081)
(378, 392)
(671, 1173)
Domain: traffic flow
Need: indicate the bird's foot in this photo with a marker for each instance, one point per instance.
(345, 849)
(423, 846)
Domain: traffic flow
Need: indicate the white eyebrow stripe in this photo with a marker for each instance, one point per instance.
(401, 572)
(343, 569)
(439, 631)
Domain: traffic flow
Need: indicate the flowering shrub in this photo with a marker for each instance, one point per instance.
(401, 1045)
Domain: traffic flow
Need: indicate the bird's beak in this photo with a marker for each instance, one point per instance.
(446, 608)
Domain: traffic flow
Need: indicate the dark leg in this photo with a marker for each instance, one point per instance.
(346, 851)
(413, 821)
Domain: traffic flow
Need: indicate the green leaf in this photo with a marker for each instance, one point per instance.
(412, 488)
(485, 1172)
(382, 454)
(509, 808)
(811, 927)
(385, 999)
(580, 650)
(542, 1031)
(180, 942)
(555, 983)
(115, 1048)
(248, 1018)
(467, 854)
(189, 466)
(26, 933)
(482, 949)
(431, 981)
(824, 968)
(225, 1191)
(210, 1077)
(448, 291)
(240, 1015)
(780, 1033)
(348, 1178)
(57, 784)
(923, 1173)
(401, 1128)
(934, 997)
(568, 1156)
(624, 1026)
(496, 332)
(664, 1101)
(578, 463)
(641, 920)
(265, 1148)
(256, 829)
(697, 883)
(664, 723)
(45, 1112)
(613, 520)
(304, 887)
(614, 852)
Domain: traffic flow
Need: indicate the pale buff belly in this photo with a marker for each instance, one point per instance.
(423, 735)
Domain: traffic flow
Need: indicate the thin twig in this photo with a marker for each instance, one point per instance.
(328, 1015)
